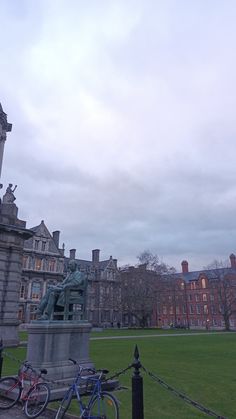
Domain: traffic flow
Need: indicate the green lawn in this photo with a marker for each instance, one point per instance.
(129, 332)
(201, 366)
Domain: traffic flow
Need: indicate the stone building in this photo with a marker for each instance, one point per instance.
(103, 304)
(203, 299)
(44, 264)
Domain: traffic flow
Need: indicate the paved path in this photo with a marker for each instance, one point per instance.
(159, 335)
(17, 413)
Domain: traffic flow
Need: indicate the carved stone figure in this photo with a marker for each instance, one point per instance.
(9, 197)
(55, 294)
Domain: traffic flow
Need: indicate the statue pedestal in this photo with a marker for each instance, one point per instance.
(52, 343)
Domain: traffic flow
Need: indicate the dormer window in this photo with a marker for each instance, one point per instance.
(36, 244)
(203, 282)
(44, 246)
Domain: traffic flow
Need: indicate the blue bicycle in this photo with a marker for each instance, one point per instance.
(101, 404)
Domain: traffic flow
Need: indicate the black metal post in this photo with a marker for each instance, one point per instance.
(137, 388)
(1, 358)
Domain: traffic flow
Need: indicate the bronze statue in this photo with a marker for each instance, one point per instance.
(9, 197)
(55, 294)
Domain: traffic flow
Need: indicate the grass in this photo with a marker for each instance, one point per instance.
(23, 335)
(203, 367)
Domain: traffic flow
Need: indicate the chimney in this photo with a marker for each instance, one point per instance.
(72, 253)
(115, 262)
(95, 255)
(233, 260)
(56, 236)
(184, 266)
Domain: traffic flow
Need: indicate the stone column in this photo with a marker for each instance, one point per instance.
(12, 236)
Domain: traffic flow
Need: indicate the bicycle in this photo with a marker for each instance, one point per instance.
(34, 395)
(101, 405)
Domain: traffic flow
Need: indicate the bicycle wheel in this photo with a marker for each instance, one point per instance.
(10, 392)
(64, 406)
(37, 400)
(104, 406)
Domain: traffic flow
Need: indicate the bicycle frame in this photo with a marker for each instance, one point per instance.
(24, 376)
(96, 391)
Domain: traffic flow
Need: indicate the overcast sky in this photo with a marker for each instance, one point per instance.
(124, 127)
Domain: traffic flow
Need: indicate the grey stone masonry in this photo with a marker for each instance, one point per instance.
(51, 345)
(12, 236)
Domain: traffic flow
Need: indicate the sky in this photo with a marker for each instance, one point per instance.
(123, 116)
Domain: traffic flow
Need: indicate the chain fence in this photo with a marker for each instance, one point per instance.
(183, 396)
(137, 366)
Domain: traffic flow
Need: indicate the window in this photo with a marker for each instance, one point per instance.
(198, 307)
(52, 264)
(204, 297)
(177, 309)
(193, 285)
(191, 309)
(211, 297)
(22, 291)
(44, 246)
(184, 309)
(38, 264)
(203, 282)
(197, 297)
(190, 297)
(36, 244)
(25, 262)
(33, 312)
(171, 309)
(21, 313)
(164, 310)
(36, 291)
(205, 309)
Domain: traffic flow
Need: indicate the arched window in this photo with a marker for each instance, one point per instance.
(203, 282)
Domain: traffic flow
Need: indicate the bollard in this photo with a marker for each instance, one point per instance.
(1, 358)
(137, 388)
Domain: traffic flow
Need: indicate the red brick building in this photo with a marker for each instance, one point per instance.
(198, 299)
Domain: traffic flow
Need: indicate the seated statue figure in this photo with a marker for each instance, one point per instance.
(55, 294)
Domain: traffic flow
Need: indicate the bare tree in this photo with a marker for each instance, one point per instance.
(154, 263)
(222, 281)
(139, 293)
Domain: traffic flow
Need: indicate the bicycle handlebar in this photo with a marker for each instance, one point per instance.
(92, 370)
(28, 366)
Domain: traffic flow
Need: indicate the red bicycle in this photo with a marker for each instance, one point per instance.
(26, 387)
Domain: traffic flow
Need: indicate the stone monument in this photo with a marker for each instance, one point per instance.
(51, 343)
(12, 236)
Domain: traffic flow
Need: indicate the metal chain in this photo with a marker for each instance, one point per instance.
(185, 398)
(8, 355)
(61, 383)
(117, 374)
(20, 362)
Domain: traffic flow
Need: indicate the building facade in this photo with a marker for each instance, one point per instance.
(45, 264)
(42, 266)
(198, 299)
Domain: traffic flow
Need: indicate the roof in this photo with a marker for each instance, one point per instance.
(103, 264)
(42, 231)
(210, 273)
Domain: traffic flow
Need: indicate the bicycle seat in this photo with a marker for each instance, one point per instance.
(43, 371)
